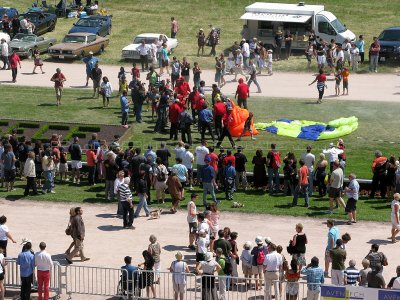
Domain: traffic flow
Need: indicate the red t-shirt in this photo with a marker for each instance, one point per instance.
(193, 98)
(321, 77)
(58, 80)
(90, 158)
(182, 89)
(214, 160)
(174, 110)
(199, 103)
(303, 172)
(14, 60)
(136, 72)
(228, 158)
(242, 91)
(227, 120)
(219, 109)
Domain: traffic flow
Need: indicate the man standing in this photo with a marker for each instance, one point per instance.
(333, 154)
(376, 259)
(245, 53)
(272, 267)
(201, 152)
(379, 175)
(125, 196)
(14, 62)
(174, 27)
(124, 108)
(219, 110)
(176, 71)
(58, 78)
(205, 120)
(374, 50)
(333, 236)
(76, 160)
(43, 264)
(208, 179)
(141, 189)
(253, 76)
(164, 154)
(137, 160)
(5, 54)
(242, 93)
(187, 161)
(78, 234)
(309, 160)
(90, 62)
(338, 257)
(273, 164)
(144, 51)
(227, 120)
(174, 110)
(26, 262)
(352, 196)
(240, 167)
(185, 123)
(315, 277)
(222, 244)
(336, 186)
(96, 76)
(302, 186)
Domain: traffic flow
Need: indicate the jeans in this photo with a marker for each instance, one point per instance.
(273, 179)
(26, 283)
(138, 111)
(124, 120)
(142, 204)
(43, 284)
(208, 187)
(304, 190)
(255, 82)
(204, 126)
(127, 213)
(48, 175)
(186, 134)
(310, 182)
(6, 62)
(373, 64)
(14, 72)
(92, 172)
(110, 189)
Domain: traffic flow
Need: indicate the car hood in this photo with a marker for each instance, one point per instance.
(19, 44)
(131, 47)
(84, 29)
(389, 43)
(68, 46)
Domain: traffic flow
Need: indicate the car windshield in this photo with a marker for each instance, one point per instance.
(147, 40)
(338, 26)
(24, 38)
(390, 35)
(32, 17)
(74, 39)
(88, 23)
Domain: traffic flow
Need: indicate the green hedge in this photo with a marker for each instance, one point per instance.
(89, 128)
(20, 130)
(4, 123)
(38, 136)
(79, 134)
(28, 125)
(69, 135)
(59, 127)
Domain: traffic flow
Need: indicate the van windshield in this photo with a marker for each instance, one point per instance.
(339, 27)
(390, 35)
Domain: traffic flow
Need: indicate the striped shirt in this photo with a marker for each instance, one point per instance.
(351, 274)
(125, 193)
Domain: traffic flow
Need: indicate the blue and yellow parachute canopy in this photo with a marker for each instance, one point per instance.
(310, 130)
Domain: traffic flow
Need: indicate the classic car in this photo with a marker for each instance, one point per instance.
(78, 45)
(100, 25)
(131, 52)
(43, 21)
(25, 44)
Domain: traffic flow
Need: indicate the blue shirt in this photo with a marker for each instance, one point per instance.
(230, 172)
(26, 262)
(360, 45)
(90, 63)
(333, 233)
(124, 104)
(131, 270)
(153, 156)
(8, 160)
(164, 53)
(207, 174)
(205, 116)
(180, 172)
(315, 277)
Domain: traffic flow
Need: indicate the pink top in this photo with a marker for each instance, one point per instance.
(214, 218)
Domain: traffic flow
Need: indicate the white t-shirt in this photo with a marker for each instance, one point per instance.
(188, 159)
(1, 262)
(208, 266)
(179, 276)
(143, 49)
(202, 245)
(201, 152)
(239, 59)
(179, 151)
(340, 55)
(246, 50)
(3, 232)
(309, 160)
(204, 225)
(4, 49)
(191, 219)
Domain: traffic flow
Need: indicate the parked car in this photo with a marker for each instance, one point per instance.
(25, 44)
(130, 51)
(78, 45)
(389, 40)
(9, 11)
(100, 25)
(43, 21)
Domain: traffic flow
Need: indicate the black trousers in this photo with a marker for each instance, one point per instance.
(218, 125)
(3, 245)
(127, 213)
(204, 126)
(225, 132)
(378, 181)
(144, 61)
(30, 184)
(186, 134)
(173, 131)
(26, 283)
(14, 72)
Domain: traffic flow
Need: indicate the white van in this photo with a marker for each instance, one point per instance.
(263, 20)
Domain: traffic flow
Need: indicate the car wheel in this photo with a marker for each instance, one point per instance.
(52, 26)
(101, 49)
(30, 53)
(82, 54)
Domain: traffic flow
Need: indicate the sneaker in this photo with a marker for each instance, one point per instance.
(74, 180)
(78, 181)
(52, 192)
(253, 138)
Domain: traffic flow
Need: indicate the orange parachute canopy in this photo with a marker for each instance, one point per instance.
(239, 118)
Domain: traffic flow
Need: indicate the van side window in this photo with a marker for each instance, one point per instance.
(325, 27)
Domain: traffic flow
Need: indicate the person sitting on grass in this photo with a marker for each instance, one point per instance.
(247, 127)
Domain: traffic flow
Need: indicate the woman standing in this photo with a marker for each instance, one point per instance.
(214, 219)
(320, 79)
(321, 174)
(208, 268)
(260, 174)
(164, 59)
(37, 61)
(106, 91)
(30, 174)
(155, 251)
(223, 67)
(292, 276)
(72, 214)
(298, 243)
(38, 162)
(201, 42)
(5, 235)
(395, 217)
(148, 266)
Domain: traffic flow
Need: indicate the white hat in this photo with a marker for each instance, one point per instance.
(248, 244)
(270, 50)
(259, 240)
(209, 256)
(267, 240)
(331, 145)
(91, 52)
(25, 240)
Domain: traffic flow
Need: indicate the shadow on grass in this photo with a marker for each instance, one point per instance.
(14, 197)
(96, 107)
(95, 200)
(47, 104)
(84, 98)
(110, 228)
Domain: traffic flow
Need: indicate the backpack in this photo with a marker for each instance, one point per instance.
(228, 266)
(160, 175)
(276, 162)
(260, 256)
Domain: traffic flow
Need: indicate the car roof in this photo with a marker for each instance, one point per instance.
(80, 34)
(392, 28)
(155, 35)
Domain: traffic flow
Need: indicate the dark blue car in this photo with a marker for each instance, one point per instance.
(10, 12)
(100, 25)
(389, 40)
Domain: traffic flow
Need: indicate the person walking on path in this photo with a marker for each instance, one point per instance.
(208, 179)
(126, 199)
(43, 263)
(321, 85)
(124, 109)
(352, 195)
(253, 75)
(78, 234)
(58, 78)
(242, 93)
(90, 62)
(141, 189)
(37, 61)
(26, 262)
(5, 235)
(395, 217)
(5, 54)
(14, 62)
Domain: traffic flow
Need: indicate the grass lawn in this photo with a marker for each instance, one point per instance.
(362, 17)
(376, 131)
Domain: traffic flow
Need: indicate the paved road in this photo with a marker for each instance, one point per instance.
(365, 87)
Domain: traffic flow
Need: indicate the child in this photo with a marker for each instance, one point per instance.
(135, 72)
(196, 74)
(123, 85)
(309, 54)
(354, 56)
(345, 75)
(247, 127)
(269, 61)
(363, 273)
(246, 259)
(351, 274)
(63, 164)
(338, 79)
(121, 74)
(201, 249)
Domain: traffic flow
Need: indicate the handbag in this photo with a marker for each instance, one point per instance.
(291, 249)
(68, 230)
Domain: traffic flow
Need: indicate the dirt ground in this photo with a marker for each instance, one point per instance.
(106, 243)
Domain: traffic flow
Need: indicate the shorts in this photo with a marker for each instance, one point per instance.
(200, 257)
(345, 84)
(56, 167)
(337, 85)
(179, 288)
(259, 269)
(174, 77)
(190, 175)
(165, 63)
(327, 256)
(334, 192)
(160, 185)
(351, 205)
(63, 168)
(9, 175)
(96, 84)
(247, 270)
(76, 164)
(193, 227)
(59, 91)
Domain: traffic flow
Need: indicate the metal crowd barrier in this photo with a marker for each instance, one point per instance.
(12, 278)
